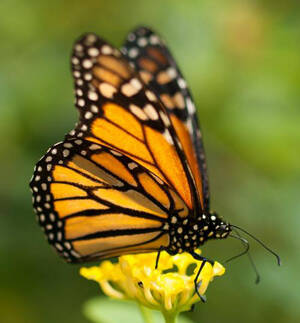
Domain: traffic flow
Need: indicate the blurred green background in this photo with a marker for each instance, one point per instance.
(241, 60)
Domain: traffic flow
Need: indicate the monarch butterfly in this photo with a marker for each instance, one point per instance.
(131, 177)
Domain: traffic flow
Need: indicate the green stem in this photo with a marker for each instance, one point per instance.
(146, 314)
(170, 317)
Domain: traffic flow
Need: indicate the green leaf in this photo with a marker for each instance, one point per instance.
(104, 310)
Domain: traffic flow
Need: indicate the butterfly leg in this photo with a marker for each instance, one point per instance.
(158, 255)
(197, 285)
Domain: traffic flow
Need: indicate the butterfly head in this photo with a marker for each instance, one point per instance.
(219, 227)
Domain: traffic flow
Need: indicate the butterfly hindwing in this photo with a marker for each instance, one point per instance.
(94, 202)
(158, 69)
(119, 111)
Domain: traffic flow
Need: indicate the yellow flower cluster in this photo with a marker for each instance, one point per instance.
(168, 288)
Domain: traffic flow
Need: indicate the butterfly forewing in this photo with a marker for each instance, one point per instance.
(119, 111)
(157, 68)
(94, 202)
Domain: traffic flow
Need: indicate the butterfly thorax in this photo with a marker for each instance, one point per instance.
(189, 233)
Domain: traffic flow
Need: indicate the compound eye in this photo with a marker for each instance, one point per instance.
(223, 228)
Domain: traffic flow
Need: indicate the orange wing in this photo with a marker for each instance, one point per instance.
(157, 68)
(94, 202)
(117, 110)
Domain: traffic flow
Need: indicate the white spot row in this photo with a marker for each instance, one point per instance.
(131, 37)
(190, 106)
(181, 83)
(90, 39)
(133, 52)
(151, 112)
(154, 40)
(93, 52)
(171, 71)
(151, 96)
(131, 88)
(138, 112)
(93, 96)
(87, 63)
(164, 118)
(142, 41)
(168, 137)
(132, 165)
(107, 90)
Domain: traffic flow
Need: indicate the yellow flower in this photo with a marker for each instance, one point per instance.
(169, 288)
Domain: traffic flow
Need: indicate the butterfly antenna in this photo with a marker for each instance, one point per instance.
(257, 280)
(245, 243)
(260, 242)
